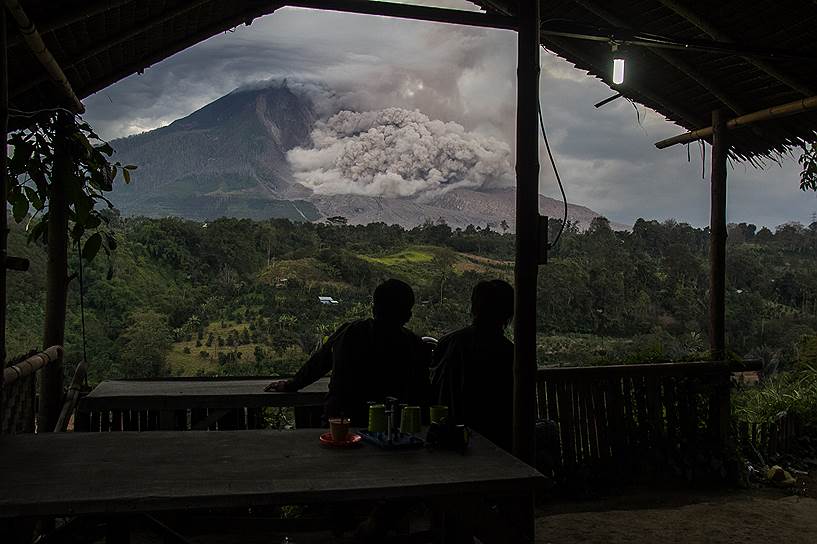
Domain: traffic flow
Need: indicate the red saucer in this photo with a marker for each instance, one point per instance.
(352, 439)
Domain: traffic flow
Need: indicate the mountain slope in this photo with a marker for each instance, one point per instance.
(226, 159)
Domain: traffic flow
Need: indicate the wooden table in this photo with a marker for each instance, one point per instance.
(190, 403)
(129, 473)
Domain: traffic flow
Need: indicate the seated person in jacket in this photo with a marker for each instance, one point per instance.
(370, 359)
(472, 371)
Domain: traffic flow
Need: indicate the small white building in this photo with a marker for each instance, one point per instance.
(327, 300)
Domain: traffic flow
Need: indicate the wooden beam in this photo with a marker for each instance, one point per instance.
(768, 114)
(409, 11)
(717, 239)
(4, 228)
(527, 232)
(35, 43)
(716, 33)
(673, 59)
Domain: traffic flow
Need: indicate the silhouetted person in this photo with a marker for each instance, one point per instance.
(472, 371)
(370, 359)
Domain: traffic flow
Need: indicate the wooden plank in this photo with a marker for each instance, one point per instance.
(578, 422)
(671, 410)
(541, 398)
(180, 394)
(566, 430)
(697, 368)
(82, 473)
(600, 412)
(590, 420)
(616, 420)
(655, 415)
(552, 407)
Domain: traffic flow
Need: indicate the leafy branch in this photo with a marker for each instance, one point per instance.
(808, 176)
(36, 155)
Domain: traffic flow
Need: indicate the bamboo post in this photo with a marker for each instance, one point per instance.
(717, 239)
(527, 237)
(4, 231)
(51, 381)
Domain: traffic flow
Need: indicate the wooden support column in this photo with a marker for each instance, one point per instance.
(51, 382)
(4, 229)
(717, 238)
(527, 237)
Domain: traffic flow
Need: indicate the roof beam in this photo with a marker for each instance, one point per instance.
(408, 11)
(784, 110)
(680, 64)
(35, 43)
(714, 32)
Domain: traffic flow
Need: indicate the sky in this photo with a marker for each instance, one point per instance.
(467, 76)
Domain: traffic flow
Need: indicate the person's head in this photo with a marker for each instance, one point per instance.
(392, 302)
(492, 303)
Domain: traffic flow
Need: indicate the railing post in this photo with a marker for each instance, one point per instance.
(4, 230)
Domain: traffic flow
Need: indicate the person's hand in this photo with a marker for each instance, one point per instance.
(278, 385)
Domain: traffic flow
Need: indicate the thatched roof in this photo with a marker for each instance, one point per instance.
(98, 42)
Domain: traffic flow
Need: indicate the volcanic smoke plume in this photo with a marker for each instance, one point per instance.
(398, 153)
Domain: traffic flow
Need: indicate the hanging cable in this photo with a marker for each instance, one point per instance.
(82, 301)
(555, 171)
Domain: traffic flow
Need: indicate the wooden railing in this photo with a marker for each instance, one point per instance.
(614, 421)
(19, 397)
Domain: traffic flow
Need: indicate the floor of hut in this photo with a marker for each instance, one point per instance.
(682, 516)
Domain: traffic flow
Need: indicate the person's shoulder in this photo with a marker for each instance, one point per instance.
(457, 335)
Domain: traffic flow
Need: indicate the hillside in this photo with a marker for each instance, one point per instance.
(240, 296)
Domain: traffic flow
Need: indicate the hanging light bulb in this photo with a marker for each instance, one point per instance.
(618, 66)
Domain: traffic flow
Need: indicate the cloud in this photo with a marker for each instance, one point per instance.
(397, 152)
(461, 75)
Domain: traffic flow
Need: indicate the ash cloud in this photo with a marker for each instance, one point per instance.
(396, 152)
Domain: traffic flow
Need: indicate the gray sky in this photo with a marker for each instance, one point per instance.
(606, 158)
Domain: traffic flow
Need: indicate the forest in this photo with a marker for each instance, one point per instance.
(240, 297)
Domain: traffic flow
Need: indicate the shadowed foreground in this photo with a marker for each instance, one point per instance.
(758, 516)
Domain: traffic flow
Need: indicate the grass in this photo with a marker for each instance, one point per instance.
(407, 256)
(189, 364)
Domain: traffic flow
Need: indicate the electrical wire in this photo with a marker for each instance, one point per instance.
(82, 301)
(555, 171)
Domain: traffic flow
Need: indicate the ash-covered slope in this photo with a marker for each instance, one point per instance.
(226, 159)
(458, 208)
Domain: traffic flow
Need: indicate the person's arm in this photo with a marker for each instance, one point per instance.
(316, 367)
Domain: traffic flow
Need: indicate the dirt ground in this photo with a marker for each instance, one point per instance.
(683, 516)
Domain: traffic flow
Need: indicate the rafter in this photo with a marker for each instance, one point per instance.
(716, 33)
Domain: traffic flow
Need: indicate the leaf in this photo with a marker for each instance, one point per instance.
(92, 246)
(109, 275)
(19, 207)
(111, 241)
(34, 197)
(126, 175)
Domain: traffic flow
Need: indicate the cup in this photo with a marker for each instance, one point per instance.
(410, 420)
(339, 427)
(377, 418)
(437, 413)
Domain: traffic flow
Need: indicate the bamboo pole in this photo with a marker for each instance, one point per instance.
(527, 236)
(717, 239)
(35, 43)
(51, 381)
(4, 228)
(768, 114)
(32, 364)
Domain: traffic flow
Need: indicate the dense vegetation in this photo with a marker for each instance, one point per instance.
(240, 296)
